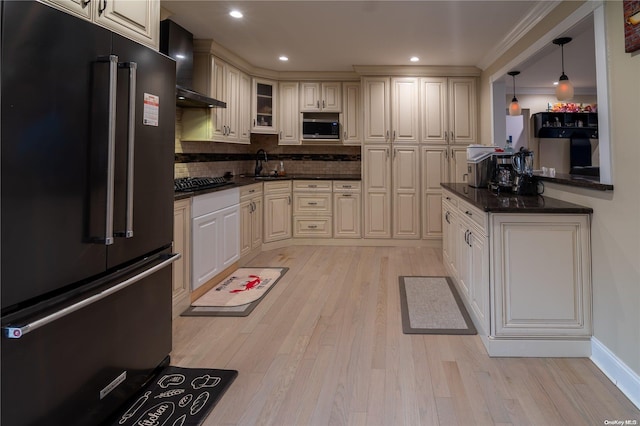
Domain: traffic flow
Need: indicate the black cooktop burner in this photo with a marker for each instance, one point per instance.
(195, 183)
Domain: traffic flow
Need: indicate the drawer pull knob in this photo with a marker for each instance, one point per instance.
(313, 226)
(312, 203)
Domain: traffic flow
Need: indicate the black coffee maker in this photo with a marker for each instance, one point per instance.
(504, 174)
(524, 183)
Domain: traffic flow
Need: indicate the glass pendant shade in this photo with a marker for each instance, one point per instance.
(564, 89)
(514, 107)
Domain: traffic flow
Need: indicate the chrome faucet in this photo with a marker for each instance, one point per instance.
(259, 161)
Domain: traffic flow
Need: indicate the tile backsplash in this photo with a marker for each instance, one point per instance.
(217, 158)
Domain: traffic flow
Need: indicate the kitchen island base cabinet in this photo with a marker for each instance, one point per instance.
(525, 278)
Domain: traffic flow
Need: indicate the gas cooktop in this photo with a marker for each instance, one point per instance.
(195, 183)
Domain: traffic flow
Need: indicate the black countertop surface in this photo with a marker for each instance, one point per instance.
(488, 201)
(589, 182)
(242, 180)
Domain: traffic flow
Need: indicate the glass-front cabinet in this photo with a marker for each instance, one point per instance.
(264, 107)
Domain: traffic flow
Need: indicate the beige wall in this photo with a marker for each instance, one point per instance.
(615, 228)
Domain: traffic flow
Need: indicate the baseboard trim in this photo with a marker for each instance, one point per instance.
(617, 371)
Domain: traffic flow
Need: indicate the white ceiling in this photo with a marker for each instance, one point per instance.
(336, 35)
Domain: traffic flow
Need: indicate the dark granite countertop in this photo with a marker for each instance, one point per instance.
(576, 180)
(490, 202)
(243, 180)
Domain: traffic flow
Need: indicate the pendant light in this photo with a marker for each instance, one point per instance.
(564, 89)
(514, 107)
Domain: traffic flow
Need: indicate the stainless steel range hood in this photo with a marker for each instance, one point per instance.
(177, 43)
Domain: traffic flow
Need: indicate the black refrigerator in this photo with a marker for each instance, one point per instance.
(87, 146)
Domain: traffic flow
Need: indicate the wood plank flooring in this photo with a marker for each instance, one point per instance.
(325, 347)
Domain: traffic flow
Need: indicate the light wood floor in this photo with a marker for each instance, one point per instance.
(325, 347)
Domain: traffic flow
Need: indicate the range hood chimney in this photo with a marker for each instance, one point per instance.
(177, 43)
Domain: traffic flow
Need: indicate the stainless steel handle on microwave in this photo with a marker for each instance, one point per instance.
(131, 138)
(111, 147)
(16, 332)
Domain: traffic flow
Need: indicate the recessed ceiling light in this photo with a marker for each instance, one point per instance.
(555, 83)
(414, 59)
(236, 14)
(283, 58)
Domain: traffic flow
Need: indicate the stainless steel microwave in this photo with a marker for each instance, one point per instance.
(320, 128)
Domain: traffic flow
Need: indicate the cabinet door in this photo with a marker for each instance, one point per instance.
(289, 115)
(230, 233)
(244, 109)
(232, 82)
(352, 114)
(246, 227)
(277, 217)
(377, 191)
(219, 91)
(462, 257)
(479, 275)
(310, 97)
(376, 109)
(434, 171)
(449, 238)
(263, 106)
(406, 194)
(346, 216)
(462, 110)
(182, 245)
(137, 20)
(433, 110)
(81, 8)
(256, 223)
(331, 99)
(404, 110)
(206, 250)
(458, 165)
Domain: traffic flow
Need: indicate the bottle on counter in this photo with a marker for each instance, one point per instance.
(281, 172)
(509, 146)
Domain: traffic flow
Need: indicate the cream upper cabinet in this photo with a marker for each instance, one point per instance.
(405, 124)
(433, 166)
(351, 117)
(289, 114)
(137, 20)
(448, 110)
(377, 119)
(324, 97)
(264, 103)
(376, 169)
(228, 84)
(406, 191)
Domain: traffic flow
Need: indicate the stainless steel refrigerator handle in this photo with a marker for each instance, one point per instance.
(16, 332)
(131, 138)
(111, 146)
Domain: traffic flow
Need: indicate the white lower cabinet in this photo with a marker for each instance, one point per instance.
(376, 193)
(406, 191)
(312, 209)
(347, 208)
(215, 234)
(250, 218)
(524, 278)
(182, 245)
(277, 211)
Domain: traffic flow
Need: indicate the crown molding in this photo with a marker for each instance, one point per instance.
(417, 71)
(537, 14)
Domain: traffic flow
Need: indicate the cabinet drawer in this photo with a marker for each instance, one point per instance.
(476, 215)
(449, 197)
(319, 227)
(347, 186)
(277, 187)
(312, 185)
(304, 203)
(250, 191)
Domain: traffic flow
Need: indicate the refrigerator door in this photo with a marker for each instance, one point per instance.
(143, 218)
(48, 107)
(78, 368)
